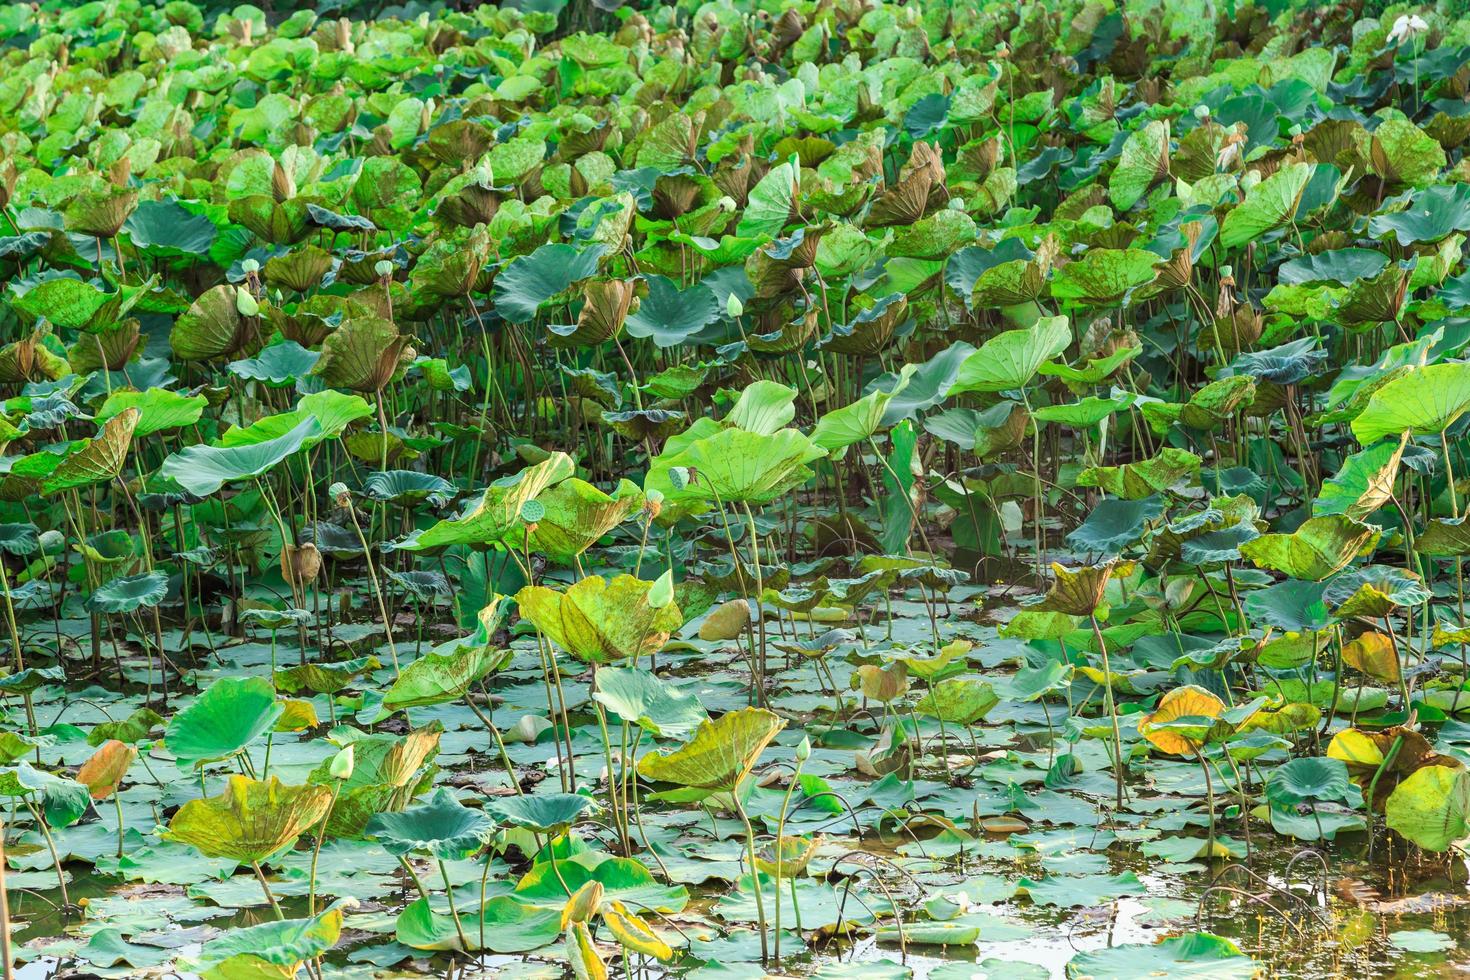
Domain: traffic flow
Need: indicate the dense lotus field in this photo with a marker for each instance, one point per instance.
(797, 487)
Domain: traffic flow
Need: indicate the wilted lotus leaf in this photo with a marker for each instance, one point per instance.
(251, 820)
(1144, 162)
(299, 270)
(958, 700)
(498, 513)
(869, 332)
(576, 514)
(1315, 550)
(102, 773)
(1181, 723)
(324, 678)
(721, 753)
(1364, 483)
(727, 621)
(1075, 591)
(364, 354)
(1104, 276)
(388, 772)
(599, 620)
(102, 213)
(634, 934)
(435, 678)
(1374, 591)
(215, 326)
(1365, 753)
(99, 461)
(1375, 654)
(880, 683)
(111, 347)
(605, 307)
(1169, 469)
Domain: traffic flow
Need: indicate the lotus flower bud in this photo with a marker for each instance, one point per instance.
(246, 304)
(804, 750)
(733, 306)
(341, 767)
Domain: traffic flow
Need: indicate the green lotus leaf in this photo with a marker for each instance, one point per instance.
(286, 943)
(532, 280)
(498, 512)
(506, 925)
(436, 678)
(772, 203)
(440, 827)
(333, 410)
(223, 721)
(1431, 808)
(670, 316)
(1010, 361)
(737, 466)
(1423, 402)
(408, 487)
(958, 700)
(62, 801)
(250, 820)
(640, 698)
(129, 593)
(601, 621)
(1431, 215)
(1267, 206)
(1317, 549)
(165, 229)
(278, 365)
(203, 470)
(159, 409)
(1374, 591)
(1200, 955)
(1115, 525)
(622, 880)
(721, 753)
(860, 420)
(542, 813)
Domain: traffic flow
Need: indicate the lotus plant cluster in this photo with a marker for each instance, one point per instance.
(729, 488)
